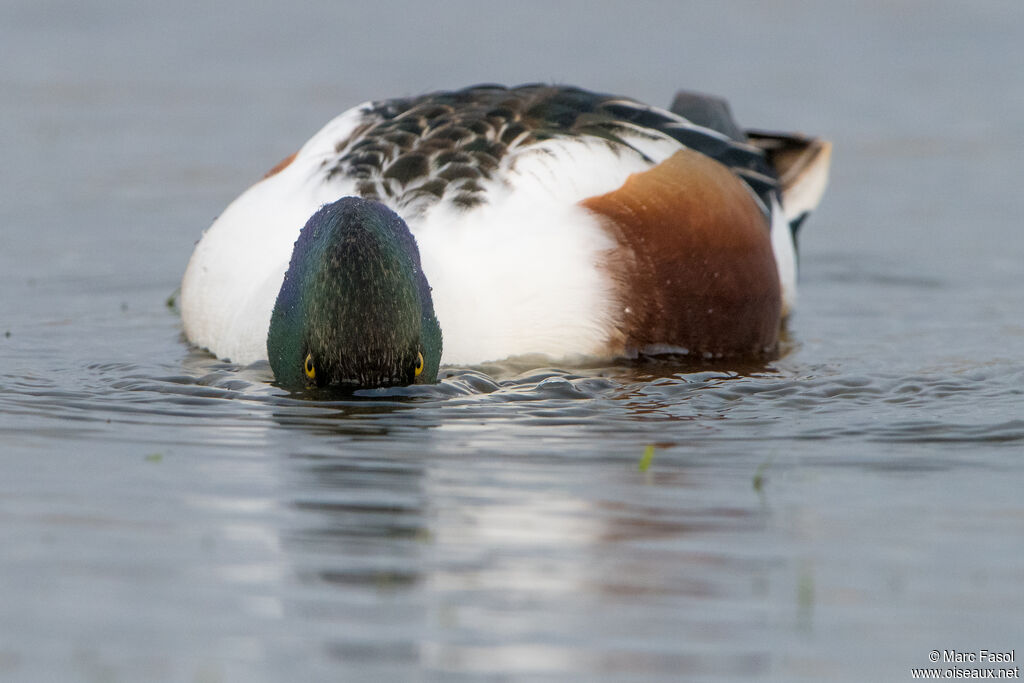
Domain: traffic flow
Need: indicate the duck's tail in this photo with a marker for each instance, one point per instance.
(802, 165)
(800, 162)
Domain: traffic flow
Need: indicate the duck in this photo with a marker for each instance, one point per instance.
(466, 226)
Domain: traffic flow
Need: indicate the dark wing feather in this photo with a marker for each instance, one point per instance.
(446, 143)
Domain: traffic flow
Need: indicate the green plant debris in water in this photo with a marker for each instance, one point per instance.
(155, 457)
(759, 476)
(646, 458)
(172, 300)
(805, 591)
(805, 598)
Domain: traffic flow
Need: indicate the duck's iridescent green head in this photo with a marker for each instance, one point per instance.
(354, 310)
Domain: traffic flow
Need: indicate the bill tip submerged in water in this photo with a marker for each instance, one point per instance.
(354, 309)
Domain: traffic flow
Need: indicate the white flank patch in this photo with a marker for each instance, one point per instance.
(785, 257)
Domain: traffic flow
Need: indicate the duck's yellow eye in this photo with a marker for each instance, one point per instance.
(309, 368)
(419, 364)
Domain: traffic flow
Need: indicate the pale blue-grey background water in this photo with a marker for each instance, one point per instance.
(835, 515)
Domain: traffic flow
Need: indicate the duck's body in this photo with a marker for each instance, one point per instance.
(549, 220)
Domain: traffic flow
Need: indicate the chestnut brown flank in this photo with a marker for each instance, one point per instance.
(695, 267)
(281, 165)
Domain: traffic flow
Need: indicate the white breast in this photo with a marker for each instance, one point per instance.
(522, 274)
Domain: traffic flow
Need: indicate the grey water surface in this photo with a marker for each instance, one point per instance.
(834, 515)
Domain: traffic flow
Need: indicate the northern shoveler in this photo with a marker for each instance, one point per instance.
(529, 220)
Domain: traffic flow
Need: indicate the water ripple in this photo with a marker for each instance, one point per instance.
(927, 406)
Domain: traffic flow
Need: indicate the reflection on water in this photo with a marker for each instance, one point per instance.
(494, 555)
(503, 524)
